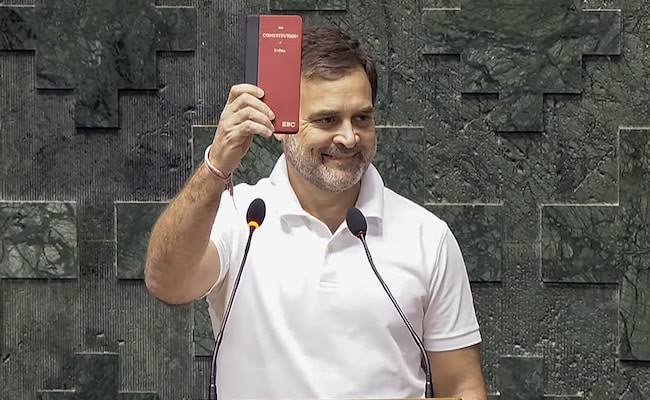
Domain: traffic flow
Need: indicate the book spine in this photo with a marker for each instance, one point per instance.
(252, 49)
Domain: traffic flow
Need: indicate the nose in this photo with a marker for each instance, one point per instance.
(346, 135)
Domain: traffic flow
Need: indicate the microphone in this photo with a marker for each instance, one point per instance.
(357, 224)
(254, 217)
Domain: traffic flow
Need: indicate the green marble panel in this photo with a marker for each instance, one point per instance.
(97, 374)
(308, 5)
(202, 334)
(479, 231)
(97, 377)
(256, 164)
(524, 50)
(38, 240)
(634, 312)
(401, 160)
(134, 222)
(463, 154)
(16, 24)
(521, 378)
(576, 165)
(579, 244)
(634, 315)
(97, 47)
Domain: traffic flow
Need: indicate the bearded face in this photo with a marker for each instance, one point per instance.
(336, 140)
(334, 168)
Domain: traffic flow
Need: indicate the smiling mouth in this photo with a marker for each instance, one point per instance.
(346, 156)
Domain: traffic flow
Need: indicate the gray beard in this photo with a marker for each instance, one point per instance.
(312, 170)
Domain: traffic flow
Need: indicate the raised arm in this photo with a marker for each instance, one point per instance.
(182, 263)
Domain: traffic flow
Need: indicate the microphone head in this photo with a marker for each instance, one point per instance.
(256, 213)
(356, 222)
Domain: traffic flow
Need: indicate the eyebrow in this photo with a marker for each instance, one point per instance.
(329, 113)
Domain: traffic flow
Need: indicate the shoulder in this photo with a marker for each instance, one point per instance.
(403, 214)
(413, 227)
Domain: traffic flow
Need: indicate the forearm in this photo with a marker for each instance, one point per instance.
(181, 235)
(458, 373)
(467, 387)
(471, 393)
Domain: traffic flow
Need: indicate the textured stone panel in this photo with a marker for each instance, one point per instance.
(635, 245)
(17, 126)
(39, 240)
(578, 337)
(134, 222)
(202, 335)
(202, 137)
(524, 50)
(401, 160)
(96, 377)
(479, 231)
(308, 5)
(256, 164)
(521, 378)
(39, 333)
(152, 338)
(97, 47)
(579, 244)
(220, 58)
(57, 395)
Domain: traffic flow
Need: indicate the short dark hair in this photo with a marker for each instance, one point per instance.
(329, 53)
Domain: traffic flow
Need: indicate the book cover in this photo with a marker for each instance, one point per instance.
(273, 57)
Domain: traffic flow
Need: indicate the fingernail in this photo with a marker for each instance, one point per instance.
(271, 115)
(260, 92)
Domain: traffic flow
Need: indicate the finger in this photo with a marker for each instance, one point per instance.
(246, 100)
(254, 115)
(242, 88)
(250, 128)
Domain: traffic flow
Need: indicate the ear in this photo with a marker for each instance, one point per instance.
(279, 136)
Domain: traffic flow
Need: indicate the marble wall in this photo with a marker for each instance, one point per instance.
(524, 124)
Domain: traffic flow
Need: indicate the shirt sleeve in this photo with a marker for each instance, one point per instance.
(450, 320)
(222, 235)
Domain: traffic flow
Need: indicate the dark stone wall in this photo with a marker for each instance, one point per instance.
(525, 124)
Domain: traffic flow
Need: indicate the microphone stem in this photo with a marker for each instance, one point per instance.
(217, 343)
(428, 389)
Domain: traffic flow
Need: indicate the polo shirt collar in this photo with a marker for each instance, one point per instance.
(370, 200)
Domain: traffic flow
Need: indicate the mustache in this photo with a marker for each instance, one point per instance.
(341, 151)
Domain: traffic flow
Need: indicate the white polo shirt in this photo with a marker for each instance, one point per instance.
(310, 320)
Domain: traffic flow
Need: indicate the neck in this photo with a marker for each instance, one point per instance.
(328, 207)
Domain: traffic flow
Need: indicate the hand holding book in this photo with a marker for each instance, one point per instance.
(243, 116)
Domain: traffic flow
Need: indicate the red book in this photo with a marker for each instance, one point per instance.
(273, 57)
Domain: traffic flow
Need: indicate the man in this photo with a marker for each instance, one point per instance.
(310, 320)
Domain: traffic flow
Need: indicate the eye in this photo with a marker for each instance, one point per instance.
(325, 120)
(364, 119)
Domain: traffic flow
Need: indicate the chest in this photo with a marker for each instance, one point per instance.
(304, 277)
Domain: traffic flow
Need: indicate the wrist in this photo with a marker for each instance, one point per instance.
(225, 178)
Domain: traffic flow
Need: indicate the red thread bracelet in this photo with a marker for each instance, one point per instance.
(227, 179)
